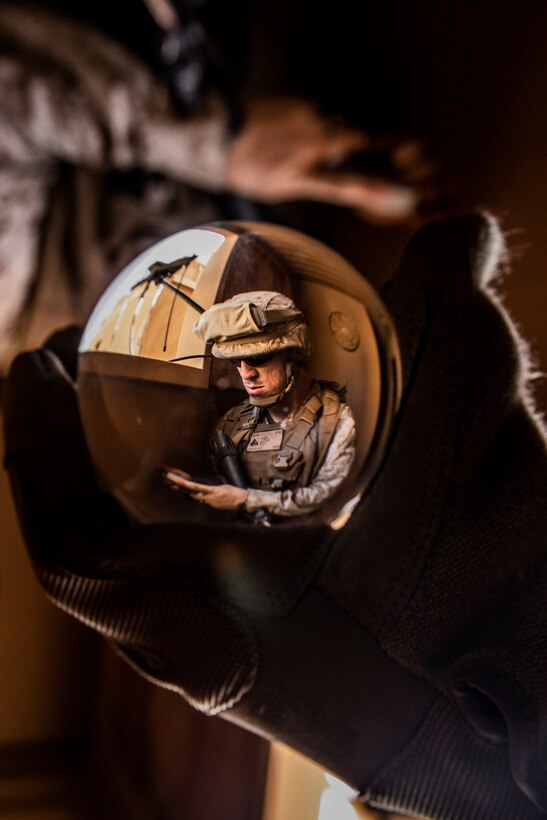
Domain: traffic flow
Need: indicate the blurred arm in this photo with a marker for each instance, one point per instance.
(68, 93)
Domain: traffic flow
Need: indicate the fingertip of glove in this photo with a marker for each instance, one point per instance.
(469, 245)
(64, 344)
(38, 391)
(33, 368)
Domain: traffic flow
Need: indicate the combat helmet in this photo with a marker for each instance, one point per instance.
(257, 323)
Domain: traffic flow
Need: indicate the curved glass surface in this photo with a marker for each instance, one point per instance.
(150, 393)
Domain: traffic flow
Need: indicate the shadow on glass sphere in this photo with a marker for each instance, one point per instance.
(151, 395)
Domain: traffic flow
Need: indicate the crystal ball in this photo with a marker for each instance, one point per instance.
(150, 395)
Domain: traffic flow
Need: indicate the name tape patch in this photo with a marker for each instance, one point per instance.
(265, 440)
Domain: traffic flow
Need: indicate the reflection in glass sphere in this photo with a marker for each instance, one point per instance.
(150, 393)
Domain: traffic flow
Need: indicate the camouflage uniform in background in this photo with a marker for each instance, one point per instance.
(95, 165)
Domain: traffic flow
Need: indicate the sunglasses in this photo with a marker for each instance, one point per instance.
(253, 361)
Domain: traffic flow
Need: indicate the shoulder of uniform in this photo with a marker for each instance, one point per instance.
(332, 396)
(243, 408)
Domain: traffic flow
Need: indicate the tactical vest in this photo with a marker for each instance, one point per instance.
(281, 456)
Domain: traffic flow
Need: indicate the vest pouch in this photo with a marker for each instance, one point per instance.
(284, 468)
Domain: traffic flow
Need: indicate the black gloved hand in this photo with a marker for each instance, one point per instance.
(407, 652)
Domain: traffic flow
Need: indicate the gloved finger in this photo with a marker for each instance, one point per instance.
(461, 479)
(47, 458)
(64, 344)
(429, 298)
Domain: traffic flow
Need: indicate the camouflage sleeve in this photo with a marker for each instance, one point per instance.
(70, 93)
(324, 484)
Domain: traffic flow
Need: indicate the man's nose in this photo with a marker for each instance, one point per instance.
(247, 371)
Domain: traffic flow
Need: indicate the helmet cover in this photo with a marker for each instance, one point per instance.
(252, 324)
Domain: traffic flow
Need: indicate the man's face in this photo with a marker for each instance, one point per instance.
(264, 379)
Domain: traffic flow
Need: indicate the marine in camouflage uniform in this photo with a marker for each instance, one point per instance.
(295, 435)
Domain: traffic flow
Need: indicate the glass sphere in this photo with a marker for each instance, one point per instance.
(150, 393)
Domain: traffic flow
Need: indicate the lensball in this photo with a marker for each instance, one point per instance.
(150, 394)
